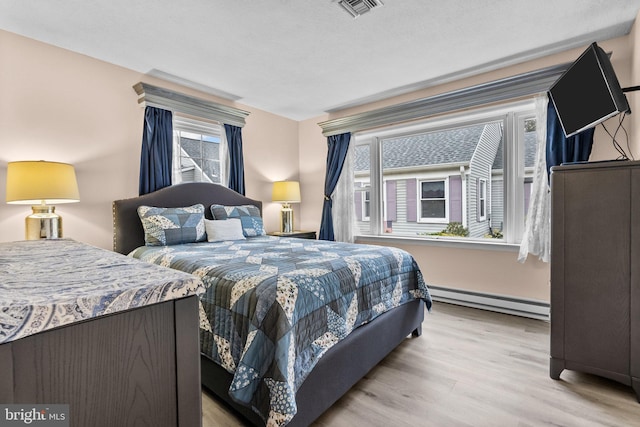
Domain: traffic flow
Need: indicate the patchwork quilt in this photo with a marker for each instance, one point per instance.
(273, 306)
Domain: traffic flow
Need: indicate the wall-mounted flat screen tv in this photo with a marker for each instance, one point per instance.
(588, 92)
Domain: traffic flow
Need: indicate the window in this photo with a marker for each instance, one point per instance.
(463, 176)
(433, 201)
(482, 200)
(366, 205)
(199, 153)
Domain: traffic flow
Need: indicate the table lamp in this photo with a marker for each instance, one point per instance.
(42, 184)
(286, 192)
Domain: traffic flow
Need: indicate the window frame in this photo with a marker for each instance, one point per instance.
(366, 203)
(201, 128)
(482, 199)
(419, 217)
(512, 115)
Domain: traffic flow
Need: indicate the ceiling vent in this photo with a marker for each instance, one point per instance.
(359, 7)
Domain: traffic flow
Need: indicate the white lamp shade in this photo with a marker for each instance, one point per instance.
(286, 192)
(36, 182)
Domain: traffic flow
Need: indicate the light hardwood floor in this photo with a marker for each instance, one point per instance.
(470, 368)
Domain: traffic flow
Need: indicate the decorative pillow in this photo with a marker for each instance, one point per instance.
(172, 226)
(223, 229)
(249, 215)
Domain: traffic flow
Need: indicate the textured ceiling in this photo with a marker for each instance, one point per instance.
(300, 58)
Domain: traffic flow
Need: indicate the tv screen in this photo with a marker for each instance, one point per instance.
(588, 92)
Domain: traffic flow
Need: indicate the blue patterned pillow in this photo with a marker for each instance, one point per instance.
(249, 215)
(172, 226)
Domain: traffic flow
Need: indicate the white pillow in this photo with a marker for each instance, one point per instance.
(223, 229)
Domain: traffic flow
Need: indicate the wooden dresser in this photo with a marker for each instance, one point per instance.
(114, 338)
(595, 270)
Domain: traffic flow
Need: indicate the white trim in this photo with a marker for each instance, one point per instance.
(463, 176)
(427, 124)
(442, 241)
(363, 215)
(419, 201)
(534, 309)
(482, 192)
(198, 126)
(180, 103)
(375, 195)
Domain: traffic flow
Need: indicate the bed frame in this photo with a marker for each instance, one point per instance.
(337, 371)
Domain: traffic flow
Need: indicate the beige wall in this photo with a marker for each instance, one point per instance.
(62, 106)
(496, 272)
(313, 156)
(270, 144)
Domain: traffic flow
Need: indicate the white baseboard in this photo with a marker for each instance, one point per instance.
(534, 309)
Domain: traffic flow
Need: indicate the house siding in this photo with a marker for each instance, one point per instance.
(407, 213)
(404, 211)
(497, 203)
(400, 212)
(480, 168)
(411, 195)
(401, 192)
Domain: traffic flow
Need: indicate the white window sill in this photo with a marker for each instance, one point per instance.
(451, 242)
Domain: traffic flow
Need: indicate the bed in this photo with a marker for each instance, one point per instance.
(290, 372)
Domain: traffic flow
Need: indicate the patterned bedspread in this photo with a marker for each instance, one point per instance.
(274, 306)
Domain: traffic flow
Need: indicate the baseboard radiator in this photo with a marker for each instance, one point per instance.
(500, 303)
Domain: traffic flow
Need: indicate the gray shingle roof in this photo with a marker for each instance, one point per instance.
(440, 147)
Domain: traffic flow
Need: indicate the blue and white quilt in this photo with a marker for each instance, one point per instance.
(274, 306)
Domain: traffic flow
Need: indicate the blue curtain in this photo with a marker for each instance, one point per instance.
(561, 149)
(338, 147)
(157, 150)
(236, 160)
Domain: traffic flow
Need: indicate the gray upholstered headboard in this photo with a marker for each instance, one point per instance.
(127, 228)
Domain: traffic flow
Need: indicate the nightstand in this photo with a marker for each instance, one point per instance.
(299, 234)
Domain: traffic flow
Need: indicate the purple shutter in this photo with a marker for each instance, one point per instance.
(455, 198)
(412, 202)
(392, 196)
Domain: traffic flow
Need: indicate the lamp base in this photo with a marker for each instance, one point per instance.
(286, 219)
(43, 223)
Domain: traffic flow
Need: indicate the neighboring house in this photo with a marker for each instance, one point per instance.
(198, 157)
(497, 194)
(436, 178)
